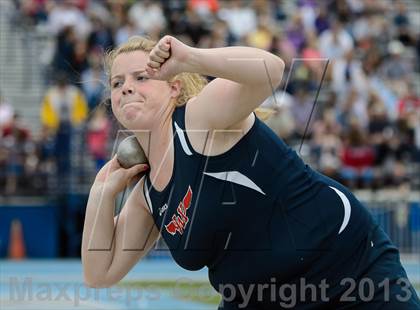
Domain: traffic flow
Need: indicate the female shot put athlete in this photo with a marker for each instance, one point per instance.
(226, 193)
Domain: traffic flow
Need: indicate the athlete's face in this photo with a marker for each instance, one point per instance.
(136, 100)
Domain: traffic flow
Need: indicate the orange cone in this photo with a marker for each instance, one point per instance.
(16, 242)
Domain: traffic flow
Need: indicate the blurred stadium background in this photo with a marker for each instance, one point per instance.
(55, 133)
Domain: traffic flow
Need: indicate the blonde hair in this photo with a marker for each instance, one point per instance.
(191, 83)
(264, 114)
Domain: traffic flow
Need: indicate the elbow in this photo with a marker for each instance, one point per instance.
(278, 73)
(96, 281)
(95, 285)
(91, 284)
(282, 65)
(274, 70)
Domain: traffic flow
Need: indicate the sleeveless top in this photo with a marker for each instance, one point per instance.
(256, 212)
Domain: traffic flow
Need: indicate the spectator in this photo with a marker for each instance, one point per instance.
(321, 21)
(295, 32)
(100, 37)
(398, 153)
(400, 17)
(368, 44)
(80, 60)
(369, 26)
(312, 57)
(63, 103)
(45, 160)
(281, 45)
(65, 14)
(378, 129)
(36, 10)
(341, 9)
(6, 112)
(220, 35)
(301, 111)
(64, 59)
(263, 35)
(396, 70)
(347, 110)
(63, 109)
(357, 158)
(98, 136)
(335, 42)
(125, 31)
(15, 140)
(118, 13)
(240, 19)
(403, 23)
(204, 8)
(148, 17)
(94, 80)
(307, 9)
(326, 146)
(196, 31)
(351, 86)
(409, 103)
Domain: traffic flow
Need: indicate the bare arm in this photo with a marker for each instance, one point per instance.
(240, 64)
(135, 233)
(245, 76)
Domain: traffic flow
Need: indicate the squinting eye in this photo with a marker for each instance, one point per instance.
(115, 84)
(142, 78)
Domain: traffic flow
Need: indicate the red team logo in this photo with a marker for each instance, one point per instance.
(178, 222)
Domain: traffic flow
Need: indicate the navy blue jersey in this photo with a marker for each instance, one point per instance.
(258, 215)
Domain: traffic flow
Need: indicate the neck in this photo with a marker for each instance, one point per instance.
(157, 142)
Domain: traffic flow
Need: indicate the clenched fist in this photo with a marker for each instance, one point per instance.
(167, 59)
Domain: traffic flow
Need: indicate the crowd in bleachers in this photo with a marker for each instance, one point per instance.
(364, 127)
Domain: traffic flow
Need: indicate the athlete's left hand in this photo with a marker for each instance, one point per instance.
(167, 59)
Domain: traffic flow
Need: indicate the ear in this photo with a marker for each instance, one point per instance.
(175, 88)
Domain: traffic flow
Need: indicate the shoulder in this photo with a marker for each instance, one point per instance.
(193, 121)
(201, 137)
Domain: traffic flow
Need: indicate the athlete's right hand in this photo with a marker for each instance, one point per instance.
(115, 178)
